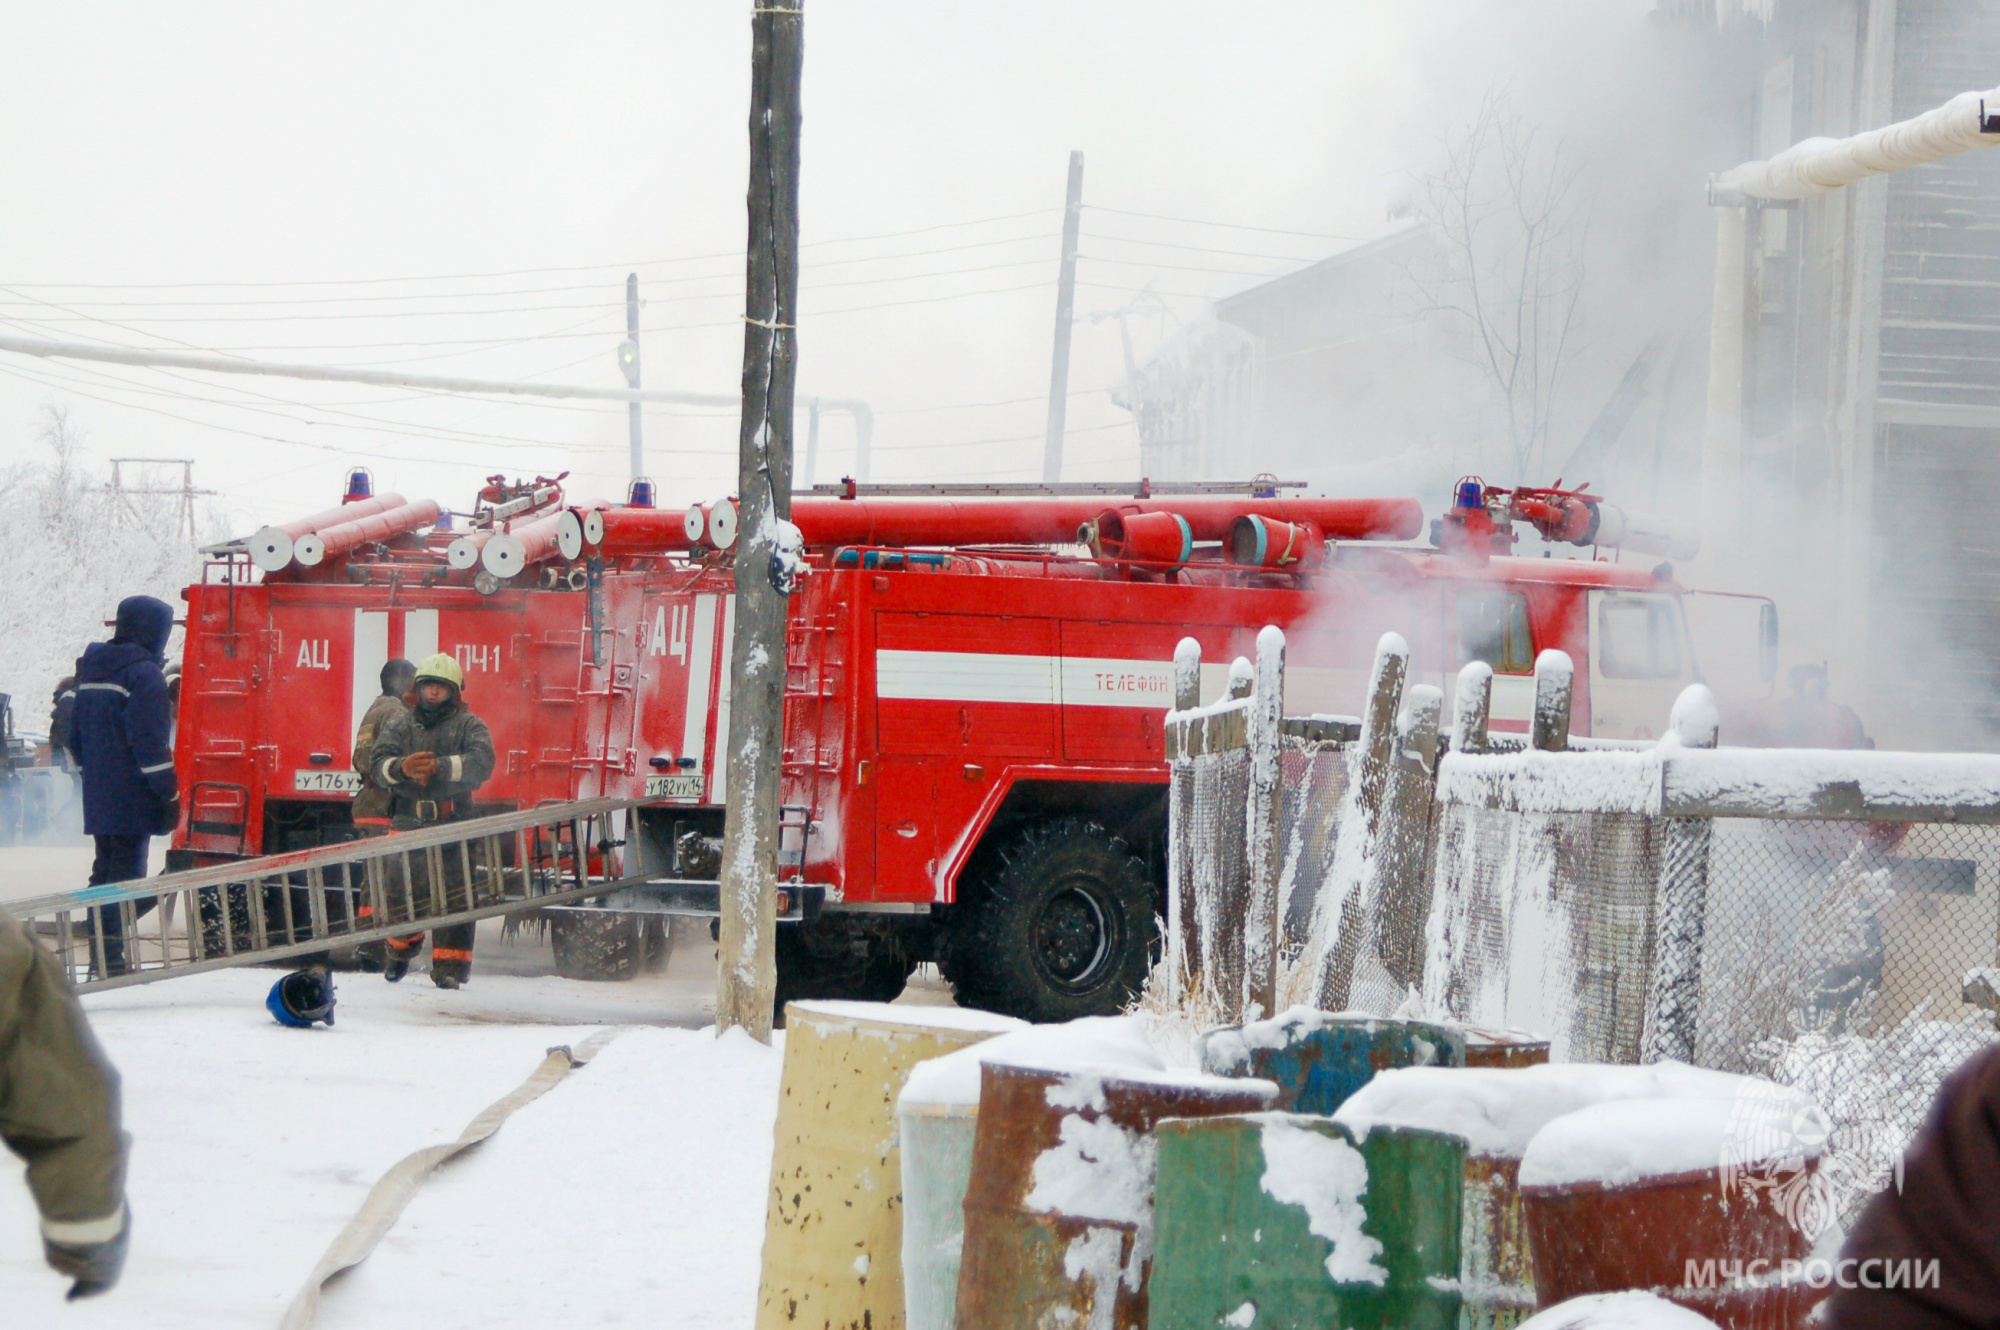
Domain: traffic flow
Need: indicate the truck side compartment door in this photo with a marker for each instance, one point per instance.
(905, 829)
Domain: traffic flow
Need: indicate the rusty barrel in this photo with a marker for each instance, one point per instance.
(1317, 1059)
(1286, 1222)
(1059, 1208)
(833, 1228)
(1503, 1048)
(1689, 1199)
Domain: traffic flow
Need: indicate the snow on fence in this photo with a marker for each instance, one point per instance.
(1810, 916)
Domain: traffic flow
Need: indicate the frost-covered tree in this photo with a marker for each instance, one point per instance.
(1508, 217)
(69, 552)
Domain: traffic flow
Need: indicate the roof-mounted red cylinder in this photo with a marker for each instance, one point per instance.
(508, 552)
(272, 547)
(1152, 538)
(1256, 541)
(318, 546)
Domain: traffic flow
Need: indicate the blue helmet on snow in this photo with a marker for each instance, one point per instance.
(302, 998)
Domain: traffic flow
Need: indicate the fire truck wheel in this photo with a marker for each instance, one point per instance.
(1058, 925)
(597, 944)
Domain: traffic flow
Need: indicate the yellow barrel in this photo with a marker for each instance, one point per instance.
(833, 1228)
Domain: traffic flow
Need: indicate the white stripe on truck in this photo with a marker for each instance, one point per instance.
(700, 653)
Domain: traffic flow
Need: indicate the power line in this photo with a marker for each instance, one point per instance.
(1199, 249)
(517, 272)
(1188, 267)
(731, 294)
(1229, 226)
(567, 288)
(984, 443)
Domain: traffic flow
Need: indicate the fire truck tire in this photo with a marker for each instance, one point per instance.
(1058, 924)
(597, 944)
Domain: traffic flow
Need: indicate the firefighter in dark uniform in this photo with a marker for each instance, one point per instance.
(430, 759)
(399, 679)
(371, 805)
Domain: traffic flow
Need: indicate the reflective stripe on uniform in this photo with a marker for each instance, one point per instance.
(382, 772)
(450, 954)
(457, 767)
(119, 689)
(167, 765)
(84, 1232)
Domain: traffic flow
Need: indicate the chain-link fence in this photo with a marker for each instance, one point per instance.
(1810, 918)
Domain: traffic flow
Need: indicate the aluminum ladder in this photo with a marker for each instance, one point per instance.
(252, 911)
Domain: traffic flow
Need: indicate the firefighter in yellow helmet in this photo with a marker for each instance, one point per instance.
(430, 759)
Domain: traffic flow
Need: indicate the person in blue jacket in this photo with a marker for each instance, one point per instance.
(121, 735)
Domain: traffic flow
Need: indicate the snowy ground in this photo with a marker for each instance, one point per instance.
(38, 870)
(631, 1194)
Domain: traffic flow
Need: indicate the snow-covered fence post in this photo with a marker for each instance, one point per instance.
(1242, 679)
(1263, 814)
(1554, 678)
(1361, 827)
(1673, 1001)
(1221, 891)
(1402, 868)
(1472, 708)
(1183, 938)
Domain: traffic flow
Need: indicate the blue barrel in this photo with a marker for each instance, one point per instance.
(1318, 1058)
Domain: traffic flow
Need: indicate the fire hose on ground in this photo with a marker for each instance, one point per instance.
(395, 1188)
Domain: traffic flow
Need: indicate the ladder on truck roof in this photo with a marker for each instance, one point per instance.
(252, 911)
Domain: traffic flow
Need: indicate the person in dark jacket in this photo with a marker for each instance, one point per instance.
(59, 1111)
(431, 758)
(1926, 1255)
(121, 734)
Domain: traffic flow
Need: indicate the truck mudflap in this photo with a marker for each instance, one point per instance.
(697, 899)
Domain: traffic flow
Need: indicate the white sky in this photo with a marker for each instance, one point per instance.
(522, 159)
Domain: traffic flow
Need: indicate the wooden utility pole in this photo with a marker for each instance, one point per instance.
(748, 974)
(1065, 318)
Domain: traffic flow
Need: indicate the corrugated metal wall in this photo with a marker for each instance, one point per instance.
(1937, 486)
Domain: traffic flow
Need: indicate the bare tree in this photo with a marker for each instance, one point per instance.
(1508, 219)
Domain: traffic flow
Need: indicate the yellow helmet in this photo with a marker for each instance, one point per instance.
(441, 668)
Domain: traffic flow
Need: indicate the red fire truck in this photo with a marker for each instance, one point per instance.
(972, 769)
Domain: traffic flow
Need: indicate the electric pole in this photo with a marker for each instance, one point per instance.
(628, 360)
(747, 978)
(812, 441)
(1065, 306)
(183, 494)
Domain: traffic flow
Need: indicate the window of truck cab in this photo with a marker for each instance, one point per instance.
(1493, 627)
(1639, 637)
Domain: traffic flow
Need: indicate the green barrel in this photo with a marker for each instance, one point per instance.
(1317, 1059)
(1282, 1222)
(937, 1164)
